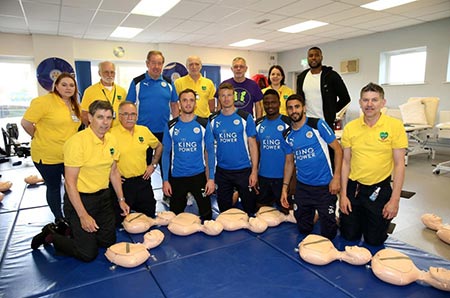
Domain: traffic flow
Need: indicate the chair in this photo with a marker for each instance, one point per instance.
(443, 133)
(419, 117)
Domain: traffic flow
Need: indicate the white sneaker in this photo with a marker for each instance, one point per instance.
(190, 199)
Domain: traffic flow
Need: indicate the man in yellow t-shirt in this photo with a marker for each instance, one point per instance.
(90, 163)
(204, 87)
(133, 141)
(106, 90)
(374, 148)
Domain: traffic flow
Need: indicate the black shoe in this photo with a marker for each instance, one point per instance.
(62, 227)
(43, 237)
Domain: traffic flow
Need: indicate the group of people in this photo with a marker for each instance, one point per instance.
(203, 147)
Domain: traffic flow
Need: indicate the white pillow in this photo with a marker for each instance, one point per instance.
(413, 112)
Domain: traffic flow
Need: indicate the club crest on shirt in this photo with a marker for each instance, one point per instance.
(280, 127)
(309, 134)
(236, 121)
(384, 135)
(196, 130)
(111, 151)
(262, 128)
(141, 139)
(176, 131)
(163, 84)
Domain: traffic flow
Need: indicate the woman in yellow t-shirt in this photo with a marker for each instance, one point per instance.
(50, 120)
(276, 82)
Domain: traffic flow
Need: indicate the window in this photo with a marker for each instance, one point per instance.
(402, 67)
(448, 67)
(18, 86)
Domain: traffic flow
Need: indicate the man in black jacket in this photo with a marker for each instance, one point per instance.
(323, 88)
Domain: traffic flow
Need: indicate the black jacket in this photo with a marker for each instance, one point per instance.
(334, 92)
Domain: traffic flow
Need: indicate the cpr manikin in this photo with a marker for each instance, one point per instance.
(234, 219)
(33, 179)
(130, 255)
(318, 250)
(434, 222)
(136, 223)
(398, 269)
(4, 186)
(273, 217)
(187, 223)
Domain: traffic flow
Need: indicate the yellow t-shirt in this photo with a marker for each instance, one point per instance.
(54, 124)
(133, 149)
(372, 158)
(98, 91)
(284, 92)
(93, 156)
(205, 90)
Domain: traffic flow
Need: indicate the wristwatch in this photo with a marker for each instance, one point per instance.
(121, 200)
(155, 165)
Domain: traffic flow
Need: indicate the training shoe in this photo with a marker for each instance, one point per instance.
(62, 227)
(190, 199)
(166, 201)
(44, 237)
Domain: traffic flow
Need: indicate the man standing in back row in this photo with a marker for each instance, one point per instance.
(203, 87)
(247, 93)
(322, 88)
(106, 90)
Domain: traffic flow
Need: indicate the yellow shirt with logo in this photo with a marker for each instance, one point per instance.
(93, 156)
(284, 92)
(372, 159)
(133, 149)
(97, 91)
(54, 124)
(205, 90)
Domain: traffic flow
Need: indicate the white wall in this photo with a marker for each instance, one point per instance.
(70, 49)
(434, 35)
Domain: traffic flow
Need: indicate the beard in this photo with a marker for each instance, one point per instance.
(296, 117)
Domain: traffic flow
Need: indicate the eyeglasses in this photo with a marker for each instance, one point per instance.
(133, 115)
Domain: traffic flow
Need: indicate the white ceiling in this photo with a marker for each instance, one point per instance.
(215, 23)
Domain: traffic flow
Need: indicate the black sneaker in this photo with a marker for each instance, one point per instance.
(62, 227)
(44, 237)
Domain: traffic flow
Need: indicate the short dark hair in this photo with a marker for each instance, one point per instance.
(296, 97)
(100, 105)
(187, 90)
(315, 48)
(272, 92)
(374, 88)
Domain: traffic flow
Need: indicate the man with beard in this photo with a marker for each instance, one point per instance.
(188, 150)
(269, 137)
(106, 90)
(317, 185)
(322, 88)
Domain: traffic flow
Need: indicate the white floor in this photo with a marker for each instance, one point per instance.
(432, 196)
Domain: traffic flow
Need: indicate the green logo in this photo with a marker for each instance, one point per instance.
(111, 150)
(119, 97)
(141, 139)
(384, 135)
(203, 88)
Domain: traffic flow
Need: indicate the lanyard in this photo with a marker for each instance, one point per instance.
(114, 96)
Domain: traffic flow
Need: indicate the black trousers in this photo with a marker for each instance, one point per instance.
(366, 218)
(195, 185)
(307, 200)
(84, 246)
(138, 195)
(229, 180)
